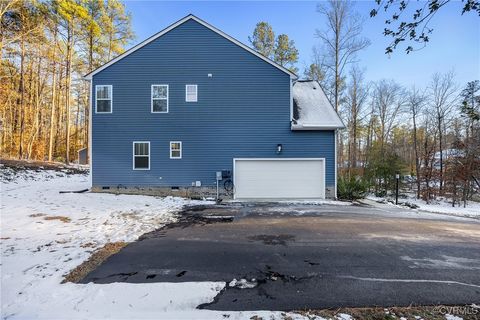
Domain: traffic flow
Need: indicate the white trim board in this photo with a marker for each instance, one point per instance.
(178, 23)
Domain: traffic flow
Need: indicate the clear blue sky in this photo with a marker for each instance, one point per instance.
(455, 42)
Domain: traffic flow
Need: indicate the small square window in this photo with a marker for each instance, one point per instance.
(141, 155)
(103, 99)
(159, 98)
(191, 91)
(175, 150)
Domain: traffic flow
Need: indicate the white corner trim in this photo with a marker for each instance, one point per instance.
(173, 26)
(335, 156)
(151, 98)
(291, 101)
(90, 144)
(133, 155)
(181, 149)
(111, 97)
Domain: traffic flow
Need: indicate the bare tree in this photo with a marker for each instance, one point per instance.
(342, 39)
(354, 113)
(389, 101)
(443, 93)
(416, 102)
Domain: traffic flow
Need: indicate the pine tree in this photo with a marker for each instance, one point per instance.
(263, 39)
(285, 52)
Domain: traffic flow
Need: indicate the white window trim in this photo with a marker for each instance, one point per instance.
(151, 98)
(181, 150)
(133, 155)
(196, 93)
(111, 97)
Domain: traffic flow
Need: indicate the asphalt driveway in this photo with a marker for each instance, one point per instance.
(297, 256)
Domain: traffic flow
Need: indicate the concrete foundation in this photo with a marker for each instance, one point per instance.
(186, 192)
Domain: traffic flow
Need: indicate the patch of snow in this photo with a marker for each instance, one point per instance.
(243, 283)
(442, 206)
(344, 316)
(452, 317)
(317, 202)
(314, 108)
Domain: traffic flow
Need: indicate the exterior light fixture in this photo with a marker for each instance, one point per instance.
(279, 148)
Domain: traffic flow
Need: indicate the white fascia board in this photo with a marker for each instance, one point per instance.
(314, 127)
(173, 26)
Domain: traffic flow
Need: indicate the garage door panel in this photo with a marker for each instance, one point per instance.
(279, 179)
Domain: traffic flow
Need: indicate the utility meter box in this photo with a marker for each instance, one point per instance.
(219, 175)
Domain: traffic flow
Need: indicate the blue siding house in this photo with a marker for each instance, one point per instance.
(191, 101)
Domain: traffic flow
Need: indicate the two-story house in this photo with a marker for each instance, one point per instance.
(191, 101)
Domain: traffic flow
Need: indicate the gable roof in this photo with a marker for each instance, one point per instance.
(173, 26)
(311, 108)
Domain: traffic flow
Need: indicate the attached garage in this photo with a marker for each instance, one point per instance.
(287, 178)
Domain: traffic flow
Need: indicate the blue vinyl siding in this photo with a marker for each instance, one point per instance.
(242, 111)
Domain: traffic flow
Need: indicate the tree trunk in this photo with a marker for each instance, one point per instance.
(21, 89)
(415, 146)
(68, 78)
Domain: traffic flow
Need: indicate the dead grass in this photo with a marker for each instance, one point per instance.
(94, 261)
(393, 313)
(61, 218)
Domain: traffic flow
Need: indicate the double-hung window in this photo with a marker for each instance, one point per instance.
(175, 150)
(159, 98)
(103, 99)
(191, 93)
(141, 155)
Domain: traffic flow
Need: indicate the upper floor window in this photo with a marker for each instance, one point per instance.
(175, 150)
(160, 98)
(191, 93)
(103, 99)
(141, 155)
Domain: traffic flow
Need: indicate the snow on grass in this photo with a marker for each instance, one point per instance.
(37, 253)
(45, 234)
(441, 205)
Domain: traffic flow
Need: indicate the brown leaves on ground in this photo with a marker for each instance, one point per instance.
(94, 261)
(61, 218)
(391, 313)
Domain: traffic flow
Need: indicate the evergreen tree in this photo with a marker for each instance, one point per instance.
(263, 39)
(285, 52)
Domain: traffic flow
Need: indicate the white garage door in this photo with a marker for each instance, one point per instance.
(279, 178)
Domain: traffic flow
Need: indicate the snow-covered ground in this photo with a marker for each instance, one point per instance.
(36, 253)
(472, 210)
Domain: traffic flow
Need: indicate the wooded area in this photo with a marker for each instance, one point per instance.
(46, 47)
(429, 134)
